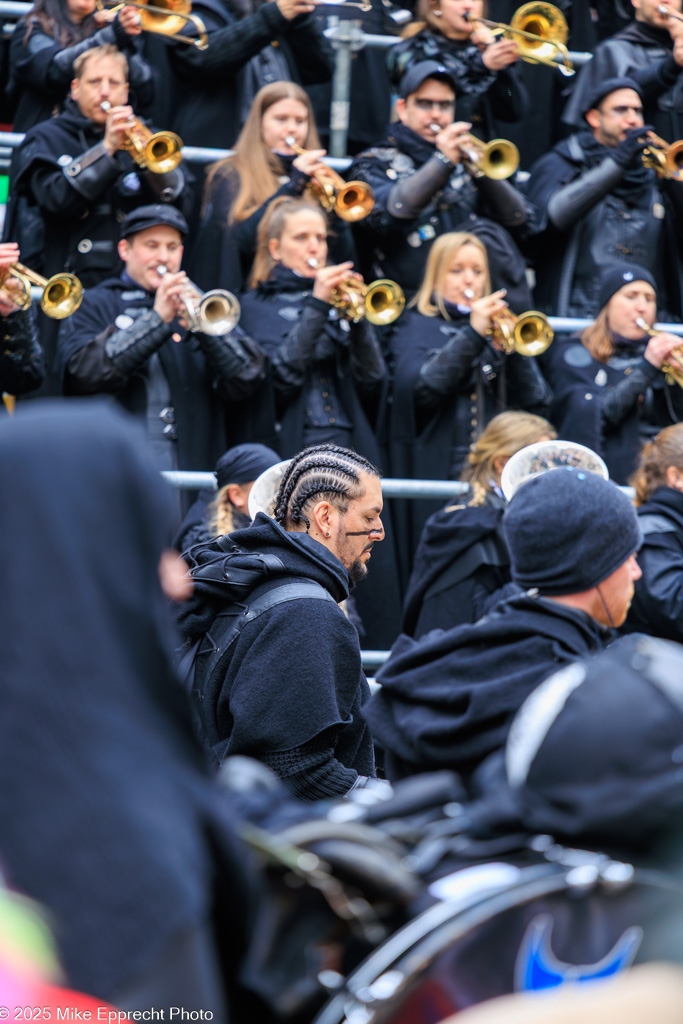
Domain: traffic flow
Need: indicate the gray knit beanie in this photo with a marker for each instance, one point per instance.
(567, 530)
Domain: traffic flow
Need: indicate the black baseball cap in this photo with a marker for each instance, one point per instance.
(150, 216)
(419, 73)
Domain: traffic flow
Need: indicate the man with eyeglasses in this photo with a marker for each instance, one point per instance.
(598, 204)
(421, 187)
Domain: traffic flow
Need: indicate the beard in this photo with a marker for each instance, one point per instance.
(357, 571)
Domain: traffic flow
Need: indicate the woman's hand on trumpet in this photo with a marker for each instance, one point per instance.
(500, 54)
(9, 254)
(310, 162)
(448, 141)
(117, 125)
(128, 18)
(290, 9)
(329, 278)
(660, 347)
(483, 310)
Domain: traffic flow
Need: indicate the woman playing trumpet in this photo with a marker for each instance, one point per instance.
(264, 166)
(22, 366)
(611, 391)
(328, 376)
(450, 378)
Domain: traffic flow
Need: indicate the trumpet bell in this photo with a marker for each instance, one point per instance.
(163, 152)
(354, 201)
(545, 21)
(169, 23)
(384, 302)
(674, 160)
(218, 312)
(62, 295)
(500, 159)
(532, 334)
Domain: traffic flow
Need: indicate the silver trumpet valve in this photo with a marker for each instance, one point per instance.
(214, 312)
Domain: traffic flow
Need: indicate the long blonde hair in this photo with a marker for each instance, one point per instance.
(272, 225)
(665, 450)
(255, 168)
(505, 434)
(440, 258)
(598, 337)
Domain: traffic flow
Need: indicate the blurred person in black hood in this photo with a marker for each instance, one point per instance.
(277, 666)
(109, 819)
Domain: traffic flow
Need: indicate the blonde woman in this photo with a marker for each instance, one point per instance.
(488, 81)
(462, 558)
(265, 166)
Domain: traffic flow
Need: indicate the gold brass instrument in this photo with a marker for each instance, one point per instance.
(165, 17)
(528, 334)
(215, 312)
(496, 159)
(665, 158)
(62, 293)
(541, 34)
(350, 200)
(672, 371)
(380, 302)
(158, 152)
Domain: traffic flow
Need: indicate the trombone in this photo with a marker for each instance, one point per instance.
(215, 312)
(528, 334)
(543, 30)
(673, 373)
(665, 158)
(350, 200)
(166, 20)
(158, 152)
(496, 159)
(62, 293)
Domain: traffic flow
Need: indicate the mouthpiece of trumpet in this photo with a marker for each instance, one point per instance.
(161, 270)
(105, 105)
(468, 293)
(436, 128)
(313, 262)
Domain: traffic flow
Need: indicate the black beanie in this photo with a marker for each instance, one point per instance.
(243, 463)
(618, 276)
(567, 530)
(605, 87)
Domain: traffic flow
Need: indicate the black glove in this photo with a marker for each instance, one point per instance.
(630, 149)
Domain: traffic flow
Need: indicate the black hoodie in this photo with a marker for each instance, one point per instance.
(292, 686)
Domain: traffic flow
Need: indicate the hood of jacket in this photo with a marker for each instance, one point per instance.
(228, 569)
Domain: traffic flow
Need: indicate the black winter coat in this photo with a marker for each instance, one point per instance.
(398, 248)
(611, 407)
(39, 84)
(643, 53)
(657, 606)
(201, 390)
(447, 700)
(330, 383)
(449, 382)
(638, 221)
(22, 366)
(204, 95)
(461, 560)
(291, 688)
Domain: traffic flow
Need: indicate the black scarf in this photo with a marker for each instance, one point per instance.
(282, 279)
(408, 141)
(635, 186)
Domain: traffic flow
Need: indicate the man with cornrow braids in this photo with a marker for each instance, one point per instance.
(277, 670)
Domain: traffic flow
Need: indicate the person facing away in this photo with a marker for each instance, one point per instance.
(447, 700)
(277, 665)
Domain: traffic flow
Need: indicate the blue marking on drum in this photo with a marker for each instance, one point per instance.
(538, 968)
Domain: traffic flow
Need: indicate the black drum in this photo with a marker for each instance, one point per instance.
(498, 929)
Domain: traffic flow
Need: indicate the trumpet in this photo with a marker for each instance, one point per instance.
(528, 334)
(215, 312)
(350, 200)
(543, 30)
(166, 18)
(673, 373)
(496, 159)
(158, 152)
(380, 302)
(62, 293)
(665, 158)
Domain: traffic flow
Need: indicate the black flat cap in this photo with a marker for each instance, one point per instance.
(150, 216)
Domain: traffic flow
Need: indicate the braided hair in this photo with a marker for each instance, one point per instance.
(324, 472)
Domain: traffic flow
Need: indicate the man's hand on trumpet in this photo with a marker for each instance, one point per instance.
(329, 278)
(118, 123)
(448, 141)
(484, 309)
(9, 254)
(167, 301)
(290, 9)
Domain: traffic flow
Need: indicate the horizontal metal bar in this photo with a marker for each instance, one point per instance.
(392, 488)
(373, 659)
(574, 325)
(14, 9)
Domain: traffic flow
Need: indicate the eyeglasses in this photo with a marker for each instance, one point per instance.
(443, 106)
(622, 111)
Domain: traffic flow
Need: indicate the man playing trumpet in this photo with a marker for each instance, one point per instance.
(420, 184)
(21, 357)
(130, 338)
